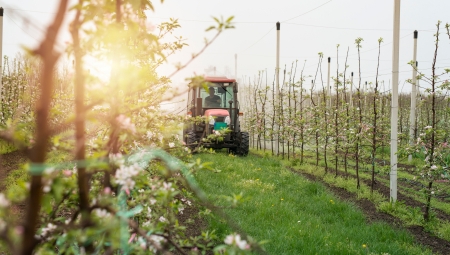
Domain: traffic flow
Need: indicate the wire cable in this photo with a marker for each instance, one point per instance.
(258, 40)
(21, 28)
(375, 48)
(352, 28)
(281, 22)
(29, 10)
(33, 26)
(307, 11)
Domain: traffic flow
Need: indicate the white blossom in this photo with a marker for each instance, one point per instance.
(168, 186)
(48, 186)
(101, 213)
(125, 174)
(150, 135)
(156, 244)
(149, 212)
(125, 123)
(2, 225)
(162, 219)
(171, 145)
(50, 227)
(49, 170)
(142, 243)
(116, 159)
(235, 239)
(4, 202)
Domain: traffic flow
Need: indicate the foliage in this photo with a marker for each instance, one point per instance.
(110, 195)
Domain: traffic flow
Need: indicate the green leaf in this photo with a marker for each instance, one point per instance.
(47, 203)
(216, 20)
(210, 28)
(229, 19)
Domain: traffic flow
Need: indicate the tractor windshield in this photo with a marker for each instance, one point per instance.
(218, 95)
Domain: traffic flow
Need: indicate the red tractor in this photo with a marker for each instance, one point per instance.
(220, 107)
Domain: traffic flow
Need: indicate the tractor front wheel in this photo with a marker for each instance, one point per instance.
(243, 146)
(191, 140)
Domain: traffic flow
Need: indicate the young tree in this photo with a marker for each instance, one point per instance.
(375, 117)
(359, 114)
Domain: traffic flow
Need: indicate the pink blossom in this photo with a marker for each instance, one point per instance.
(107, 190)
(132, 237)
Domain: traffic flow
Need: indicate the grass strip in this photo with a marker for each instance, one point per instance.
(294, 215)
(408, 215)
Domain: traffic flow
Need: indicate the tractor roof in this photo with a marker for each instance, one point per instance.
(219, 79)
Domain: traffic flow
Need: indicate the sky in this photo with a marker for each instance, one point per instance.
(307, 28)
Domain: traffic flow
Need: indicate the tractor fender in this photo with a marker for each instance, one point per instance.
(217, 113)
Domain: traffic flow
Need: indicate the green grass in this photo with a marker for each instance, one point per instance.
(16, 180)
(403, 188)
(295, 215)
(408, 215)
(6, 147)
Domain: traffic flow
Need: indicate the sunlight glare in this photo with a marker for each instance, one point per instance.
(99, 68)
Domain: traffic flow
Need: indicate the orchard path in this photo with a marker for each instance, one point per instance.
(9, 162)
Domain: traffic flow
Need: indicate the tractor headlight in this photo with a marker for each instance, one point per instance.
(227, 120)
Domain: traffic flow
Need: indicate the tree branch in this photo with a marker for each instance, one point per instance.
(39, 151)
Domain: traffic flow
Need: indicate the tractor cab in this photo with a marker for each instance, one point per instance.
(219, 105)
(217, 96)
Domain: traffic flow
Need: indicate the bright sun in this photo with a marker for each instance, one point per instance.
(99, 68)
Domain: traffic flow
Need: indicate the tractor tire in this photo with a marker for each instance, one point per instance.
(243, 146)
(191, 140)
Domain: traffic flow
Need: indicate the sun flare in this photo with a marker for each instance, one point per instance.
(99, 68)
